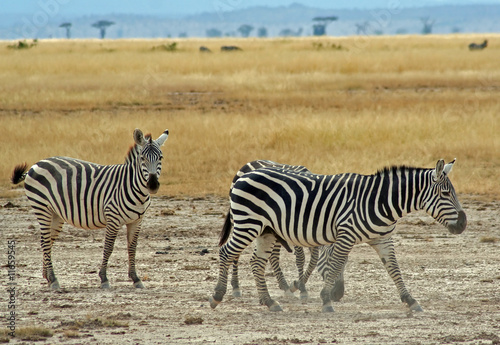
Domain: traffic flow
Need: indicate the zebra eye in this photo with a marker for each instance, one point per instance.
(445, 193)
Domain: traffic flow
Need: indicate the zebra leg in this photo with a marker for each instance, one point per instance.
(109, 242)
(226, 256)
(50, 227)
(304, 277)
(300, 260)
(335, 264)
(235, 283)
(133, 230)
(338, 288)
(274, 260)
(263, 249)
(385, 250)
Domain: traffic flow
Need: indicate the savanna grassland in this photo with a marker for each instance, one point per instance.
(333, 104)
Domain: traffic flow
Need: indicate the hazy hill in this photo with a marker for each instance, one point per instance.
(445, 19)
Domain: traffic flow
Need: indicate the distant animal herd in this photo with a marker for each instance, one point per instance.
(472, 47)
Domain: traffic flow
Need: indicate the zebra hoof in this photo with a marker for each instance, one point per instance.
(105, 285)
(416, 307)
(54, 285)
(275, 307)
(304, 296)
(236, 292)
(327, 309)
(213, 302)
(138, 285)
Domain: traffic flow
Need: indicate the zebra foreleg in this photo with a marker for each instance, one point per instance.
(133, 230)
(335, 264)
(263, 249)
(385, 250)
(109, 242)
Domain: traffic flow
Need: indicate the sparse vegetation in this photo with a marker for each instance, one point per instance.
(33, 333)
(172, 47)
(20, 45)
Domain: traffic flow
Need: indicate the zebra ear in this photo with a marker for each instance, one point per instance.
(447, 167)
(161, 139)
(439, 169)
(139, 137)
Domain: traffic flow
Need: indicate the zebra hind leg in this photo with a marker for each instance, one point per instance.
(225, 258)
(264, 245)
(274, 260)
(304, 276)
(50, 227)
(235, 283)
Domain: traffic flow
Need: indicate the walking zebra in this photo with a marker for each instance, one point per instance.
(304, 209)
(475, 46)
(91, 196)
(338, 290)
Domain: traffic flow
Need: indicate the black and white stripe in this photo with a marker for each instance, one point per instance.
(300, 259)
(91, 196)
(309, 210)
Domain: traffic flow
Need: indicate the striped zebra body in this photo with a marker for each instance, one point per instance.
(92, 196)
(300, 260)
(309, 210)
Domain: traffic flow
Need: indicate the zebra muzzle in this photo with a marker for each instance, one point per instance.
(458, 226)
(153, 183)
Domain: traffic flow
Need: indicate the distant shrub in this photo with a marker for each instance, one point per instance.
(23, 45)
(172, 47)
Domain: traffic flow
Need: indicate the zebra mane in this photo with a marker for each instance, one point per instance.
(132, 153)
(394, 169)
(135, 149)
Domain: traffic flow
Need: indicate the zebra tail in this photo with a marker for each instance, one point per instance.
(19, 173)
(226, 230)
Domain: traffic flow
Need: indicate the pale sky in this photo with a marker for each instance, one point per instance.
(186, 7)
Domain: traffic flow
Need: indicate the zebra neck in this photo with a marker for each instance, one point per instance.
(137, 180)
(399, 192)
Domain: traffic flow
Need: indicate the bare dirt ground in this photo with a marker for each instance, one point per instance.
(455, 278)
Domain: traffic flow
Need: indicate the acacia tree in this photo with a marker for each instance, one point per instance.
(428, 24)
(67, 26)
(245, 30)
(102, 25)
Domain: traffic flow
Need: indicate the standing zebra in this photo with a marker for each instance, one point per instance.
(91, 196)
(304, 209)
(338, 290)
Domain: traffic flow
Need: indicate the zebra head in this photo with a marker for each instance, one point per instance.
(442, 202)
(150, 157)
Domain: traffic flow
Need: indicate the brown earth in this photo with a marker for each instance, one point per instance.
(455, 278)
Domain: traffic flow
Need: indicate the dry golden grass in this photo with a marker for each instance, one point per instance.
(378, 101)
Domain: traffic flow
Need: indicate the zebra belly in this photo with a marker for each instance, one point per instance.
(63, 191)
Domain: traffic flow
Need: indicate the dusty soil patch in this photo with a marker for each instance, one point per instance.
(456, 279)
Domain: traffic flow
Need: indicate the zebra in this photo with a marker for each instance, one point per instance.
(338, 290)
(92, 196)
(475, 46)
(305, 209)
